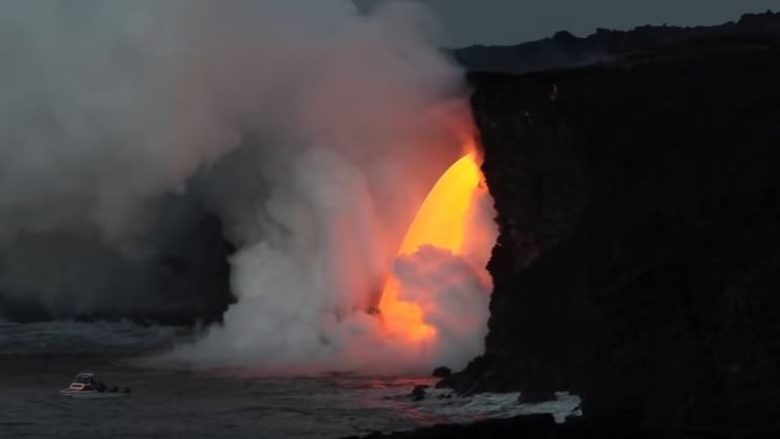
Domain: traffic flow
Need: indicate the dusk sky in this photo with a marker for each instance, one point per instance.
(513, 21)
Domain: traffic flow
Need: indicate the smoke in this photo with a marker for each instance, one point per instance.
(313, 132)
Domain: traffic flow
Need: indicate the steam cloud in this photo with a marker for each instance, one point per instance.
(312, 130)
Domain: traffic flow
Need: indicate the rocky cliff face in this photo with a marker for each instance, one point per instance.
(638, 262)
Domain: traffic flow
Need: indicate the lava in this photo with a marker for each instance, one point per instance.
(442, 222)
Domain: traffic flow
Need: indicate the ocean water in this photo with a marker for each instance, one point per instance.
(37, 360)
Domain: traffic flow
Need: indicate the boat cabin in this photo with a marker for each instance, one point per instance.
(84, 381)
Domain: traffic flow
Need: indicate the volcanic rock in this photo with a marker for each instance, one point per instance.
(639, 249)
(441, 372)
(418, 393)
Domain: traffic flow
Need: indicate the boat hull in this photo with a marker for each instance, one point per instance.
(80, 394)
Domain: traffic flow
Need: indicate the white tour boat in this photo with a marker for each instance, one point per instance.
(87, 386)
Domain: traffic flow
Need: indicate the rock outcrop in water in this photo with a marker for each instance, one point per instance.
(638, 262)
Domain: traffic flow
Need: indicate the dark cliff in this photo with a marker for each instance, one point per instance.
(638, 262)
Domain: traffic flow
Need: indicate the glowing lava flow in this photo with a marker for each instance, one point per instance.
(441, 222)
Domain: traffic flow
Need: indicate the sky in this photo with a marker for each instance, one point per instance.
(468, 22)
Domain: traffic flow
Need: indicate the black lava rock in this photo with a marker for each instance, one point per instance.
(639, 248)
(418, 393)
(441, 372)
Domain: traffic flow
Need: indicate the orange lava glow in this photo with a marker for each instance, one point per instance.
(442, 222)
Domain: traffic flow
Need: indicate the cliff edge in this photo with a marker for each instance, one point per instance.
(638, 262)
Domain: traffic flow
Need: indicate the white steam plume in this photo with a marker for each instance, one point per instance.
(314, 132)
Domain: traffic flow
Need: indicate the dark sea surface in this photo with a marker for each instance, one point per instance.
(37, 360)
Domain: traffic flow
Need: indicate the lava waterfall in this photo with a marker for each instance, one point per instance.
(433, 306)
(310, 131)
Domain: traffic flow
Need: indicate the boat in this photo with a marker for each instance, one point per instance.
(87, 386)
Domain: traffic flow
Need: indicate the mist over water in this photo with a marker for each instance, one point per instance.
(312, 131)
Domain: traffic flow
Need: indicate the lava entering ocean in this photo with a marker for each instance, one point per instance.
(298, 312)
(443, 221)
(310, 130)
